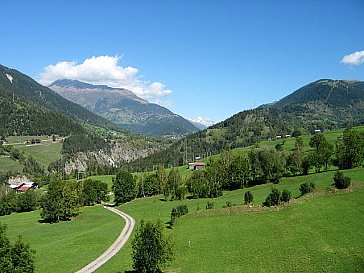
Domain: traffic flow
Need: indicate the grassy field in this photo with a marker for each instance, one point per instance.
(325, 234)
(66, 246)
(44, 153)
(7, 164)
(263, 233)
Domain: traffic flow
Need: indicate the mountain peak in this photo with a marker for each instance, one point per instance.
(66, 83)
(124, 108)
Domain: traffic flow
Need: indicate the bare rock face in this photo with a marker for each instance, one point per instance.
(118, 154)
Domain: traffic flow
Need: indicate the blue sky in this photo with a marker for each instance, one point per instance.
(200, 57)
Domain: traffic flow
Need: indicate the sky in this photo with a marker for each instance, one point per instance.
(200, 58)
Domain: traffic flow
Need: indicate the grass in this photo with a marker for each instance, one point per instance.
(266, 232)
(323, 235)
(8, 164)
(66, 246)
(43, 153)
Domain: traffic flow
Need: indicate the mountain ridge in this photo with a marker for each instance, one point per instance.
(124, 108)
(321, 105)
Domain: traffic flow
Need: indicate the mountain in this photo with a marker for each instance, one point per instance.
(332, 103)
(200, 126)
(202, 123)
(92, 142)
(124, 108)
(30, 108)
(324, 104)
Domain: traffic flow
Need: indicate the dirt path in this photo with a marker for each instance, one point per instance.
(115, 247)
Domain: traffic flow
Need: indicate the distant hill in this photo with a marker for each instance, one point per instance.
(30, 108)
(329, 103)
(124, 108)
(324, 105)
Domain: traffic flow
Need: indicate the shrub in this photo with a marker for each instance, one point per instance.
(178, 212)
(228, 204)
(209, 205)
(286, 196)
(306, 188)
(341, 181)
(273, 198)
(248, 197)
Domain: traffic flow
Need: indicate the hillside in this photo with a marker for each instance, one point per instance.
(30, 109)
(124, 108)
(28, 95)
(330, 103)
(323, 105)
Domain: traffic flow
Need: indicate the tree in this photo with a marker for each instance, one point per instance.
(22, 257)
(248, 197)
(151, 248)
(93, 192)
(124, 187)
(350, 149)
(267, 164)
(61, 202)
(162, 177)
(174, 186)
(17, 258)
(323, 152)
(5, 252)
(27, 201)
(341, 181)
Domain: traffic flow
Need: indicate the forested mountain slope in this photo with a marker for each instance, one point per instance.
(30, 108)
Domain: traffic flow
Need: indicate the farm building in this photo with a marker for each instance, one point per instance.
(21, 184)
(196, 166)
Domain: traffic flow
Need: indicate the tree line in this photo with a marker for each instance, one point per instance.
(232, 171)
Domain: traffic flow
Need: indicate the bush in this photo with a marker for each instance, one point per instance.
(248, 197)
(341, 181)
(306, 188)
(273, 198)
(286, 196)
(209, 205)
(178, 212)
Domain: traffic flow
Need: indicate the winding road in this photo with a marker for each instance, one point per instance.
(116, 246)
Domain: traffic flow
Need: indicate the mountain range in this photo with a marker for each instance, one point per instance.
(124, 108)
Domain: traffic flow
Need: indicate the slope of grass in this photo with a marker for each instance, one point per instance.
(66, 246)
(325, 234)
(44, 153)
(153, 208)
(8, 164)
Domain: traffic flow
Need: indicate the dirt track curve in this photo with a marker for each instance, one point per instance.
(115, 247)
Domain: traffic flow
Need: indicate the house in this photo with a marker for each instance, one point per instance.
(27, 186)
(199, 166)
(196, 166)
(21, 183)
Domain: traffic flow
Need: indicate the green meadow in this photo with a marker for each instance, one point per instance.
(65, 246)
(44, 153)
(305, 236)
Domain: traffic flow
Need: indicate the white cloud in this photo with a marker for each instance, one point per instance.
(201, 120)
(104, 70)
(355, 58)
